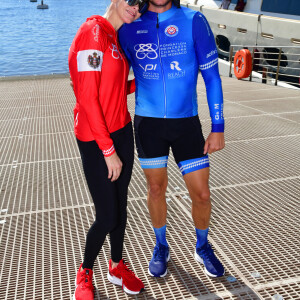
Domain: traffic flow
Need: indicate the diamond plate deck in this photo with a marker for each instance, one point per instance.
(46, 210)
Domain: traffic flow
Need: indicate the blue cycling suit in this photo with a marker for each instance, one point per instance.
(166, 51)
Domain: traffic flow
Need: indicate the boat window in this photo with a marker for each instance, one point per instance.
(289, 7)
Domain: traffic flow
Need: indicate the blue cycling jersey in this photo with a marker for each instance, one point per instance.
(166, 51)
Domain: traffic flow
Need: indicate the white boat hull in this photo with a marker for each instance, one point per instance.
(247, 29)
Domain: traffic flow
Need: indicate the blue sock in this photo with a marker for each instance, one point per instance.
(201, 237)
(160, 234)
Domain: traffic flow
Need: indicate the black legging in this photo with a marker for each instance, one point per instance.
(110, 198)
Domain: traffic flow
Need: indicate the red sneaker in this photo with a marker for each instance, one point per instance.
(84, 286)
(124, 277)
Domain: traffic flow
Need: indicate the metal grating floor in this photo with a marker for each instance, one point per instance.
(46, 210)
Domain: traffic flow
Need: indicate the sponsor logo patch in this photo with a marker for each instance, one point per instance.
(94, 60)
(176, 75)
(148, 67)
(212, 53)
(149, 71)
(175, 65)
(89, 60)
(219, 112)
(141, 31)
(146, 51)
(173, 49)
(171, 31)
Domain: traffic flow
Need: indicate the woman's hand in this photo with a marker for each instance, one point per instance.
(71, 84)
(114, 166)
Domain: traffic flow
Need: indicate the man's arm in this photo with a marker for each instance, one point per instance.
(207, 56)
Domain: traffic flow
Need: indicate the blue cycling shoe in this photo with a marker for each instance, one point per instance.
(212, 265)
(159, 261)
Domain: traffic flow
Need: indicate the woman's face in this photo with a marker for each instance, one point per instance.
(127, 13)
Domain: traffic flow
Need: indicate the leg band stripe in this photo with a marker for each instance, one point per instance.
(191, 165)
(152, 163)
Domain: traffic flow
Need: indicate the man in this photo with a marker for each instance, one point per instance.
(225, 4)
(240, 5)
(166, 47)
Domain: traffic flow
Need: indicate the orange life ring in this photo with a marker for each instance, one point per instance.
(242, 64)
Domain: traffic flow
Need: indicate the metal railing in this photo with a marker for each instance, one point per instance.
(274, 63)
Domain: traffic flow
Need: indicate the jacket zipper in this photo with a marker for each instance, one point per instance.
(161, 65)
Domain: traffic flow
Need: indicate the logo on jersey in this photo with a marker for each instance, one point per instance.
(141, 31)
(115, 52)
(146, 51)
(149, 71)
(94, 60)
(149, 67)
(219, 112)
(171, 31)
(95, 32)
(175, 65)
(212, 53)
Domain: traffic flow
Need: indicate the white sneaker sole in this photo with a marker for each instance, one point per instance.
(163, 275)
(118, 281)
(199, 259)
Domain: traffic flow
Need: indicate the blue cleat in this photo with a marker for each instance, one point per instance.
(158, 263)
(212, 265)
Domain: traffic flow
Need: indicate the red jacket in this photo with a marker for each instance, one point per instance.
(99, 72)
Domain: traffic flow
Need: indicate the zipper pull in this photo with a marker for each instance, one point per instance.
(157, 24)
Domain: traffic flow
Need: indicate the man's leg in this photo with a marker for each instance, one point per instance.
(197, 185)
(153, 149)
(188, 150)
(157, 181)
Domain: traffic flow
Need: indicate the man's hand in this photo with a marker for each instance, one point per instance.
(214, 142)
(114, 166)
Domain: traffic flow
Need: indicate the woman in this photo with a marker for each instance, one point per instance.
(103, 129)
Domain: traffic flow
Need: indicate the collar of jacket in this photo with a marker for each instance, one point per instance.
(161, 16)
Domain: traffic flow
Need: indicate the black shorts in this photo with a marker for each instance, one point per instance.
(155, 136)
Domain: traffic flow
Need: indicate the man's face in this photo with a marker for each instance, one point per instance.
(159, 3)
